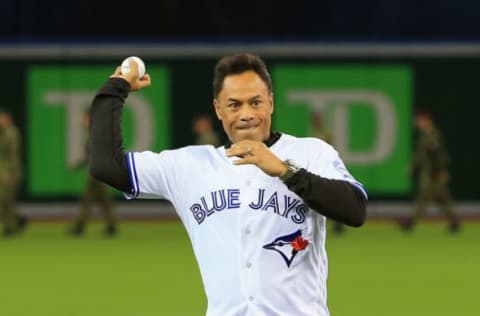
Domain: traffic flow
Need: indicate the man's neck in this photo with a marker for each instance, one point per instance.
(271, 139)
(428, 128)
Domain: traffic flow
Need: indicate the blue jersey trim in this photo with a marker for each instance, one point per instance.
(360, 186)
(132, 173)
(135, 174)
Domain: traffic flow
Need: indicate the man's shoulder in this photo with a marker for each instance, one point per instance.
(307, 142)
(191, 151)
(179, 156)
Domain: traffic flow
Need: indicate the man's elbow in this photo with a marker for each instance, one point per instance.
(360, 214)
(359, 218)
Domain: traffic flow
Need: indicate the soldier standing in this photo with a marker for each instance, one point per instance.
(318, 128)
(10, 174)
(95, 192)
(204, 132)
(430, 164)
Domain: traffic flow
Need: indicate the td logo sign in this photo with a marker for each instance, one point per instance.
(57, 139)
(366, 109)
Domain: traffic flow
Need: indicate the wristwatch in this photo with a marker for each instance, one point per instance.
(292, 169)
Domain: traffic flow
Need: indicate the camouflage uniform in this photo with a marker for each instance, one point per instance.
(10, 176)
(95, 192)
(321, 133)
(431, 165)
(209, 138)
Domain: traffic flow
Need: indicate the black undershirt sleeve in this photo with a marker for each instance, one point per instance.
(335, 199)
(107, 155)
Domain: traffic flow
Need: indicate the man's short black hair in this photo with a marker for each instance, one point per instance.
(237, 64)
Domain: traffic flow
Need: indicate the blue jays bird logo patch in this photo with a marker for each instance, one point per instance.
(288, 246)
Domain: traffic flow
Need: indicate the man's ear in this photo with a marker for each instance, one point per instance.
(271, 101)
(216, 105)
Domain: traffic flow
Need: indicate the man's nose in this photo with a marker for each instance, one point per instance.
(246, 113)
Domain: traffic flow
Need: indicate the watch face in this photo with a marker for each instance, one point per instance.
(292, 168)
(292, 165)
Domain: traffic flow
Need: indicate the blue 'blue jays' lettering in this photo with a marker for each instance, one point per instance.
(256, 206)
(216, 206)
(301, 210)
(273, 203)
(233, 198)
(290, 204)
(219, 200)
(198, 213)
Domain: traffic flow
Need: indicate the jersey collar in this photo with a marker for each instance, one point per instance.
(272, 139)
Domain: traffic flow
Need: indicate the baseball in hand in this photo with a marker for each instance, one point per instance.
(125, 67)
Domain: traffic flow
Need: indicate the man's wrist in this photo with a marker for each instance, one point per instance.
(291, 169)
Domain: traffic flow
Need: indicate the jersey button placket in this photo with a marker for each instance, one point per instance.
(248, 238)
(248, 263)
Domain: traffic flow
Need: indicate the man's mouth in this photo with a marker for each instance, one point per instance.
(247, 127)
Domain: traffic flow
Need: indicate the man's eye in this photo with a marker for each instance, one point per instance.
(256, 102)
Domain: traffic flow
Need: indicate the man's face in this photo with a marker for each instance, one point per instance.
(202, 125)
(245, 107)
(85, 120)
(421, 122)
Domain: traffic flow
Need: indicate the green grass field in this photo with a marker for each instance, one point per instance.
(149, 269)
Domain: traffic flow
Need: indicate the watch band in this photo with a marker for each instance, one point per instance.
(292, 169)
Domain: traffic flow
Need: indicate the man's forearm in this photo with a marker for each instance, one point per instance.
(335, 199)
(107, 157)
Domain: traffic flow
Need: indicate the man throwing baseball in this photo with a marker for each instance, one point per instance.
(254, 209)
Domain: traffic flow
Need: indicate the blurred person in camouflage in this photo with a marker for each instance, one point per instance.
(204, 132)
(430, 165)
(10, 175)
(94, 192)
(319, 130)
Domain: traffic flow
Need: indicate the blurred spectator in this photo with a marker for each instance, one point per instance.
(430, 165)
(319, 130)
(95, 192)
(204, 132)
(10, 175)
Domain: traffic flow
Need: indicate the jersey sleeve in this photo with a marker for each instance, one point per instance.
(152, 175)
(329, 165)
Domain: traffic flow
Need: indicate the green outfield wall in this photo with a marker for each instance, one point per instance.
(367, 105)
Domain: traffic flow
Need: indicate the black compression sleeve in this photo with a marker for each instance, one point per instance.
(335, 199)
(107, 156)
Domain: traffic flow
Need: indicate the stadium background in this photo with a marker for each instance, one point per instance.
(149, 269)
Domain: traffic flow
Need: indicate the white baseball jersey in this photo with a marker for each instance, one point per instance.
(260, 248)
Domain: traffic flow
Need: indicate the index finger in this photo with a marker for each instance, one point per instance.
(245, 160)
(238, 150)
